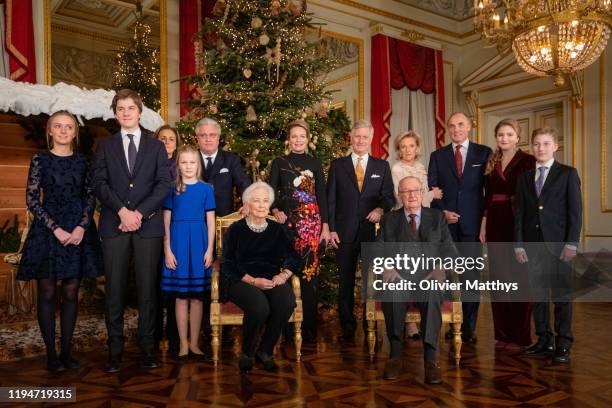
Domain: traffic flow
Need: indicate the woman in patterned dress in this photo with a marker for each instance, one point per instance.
(299, 183)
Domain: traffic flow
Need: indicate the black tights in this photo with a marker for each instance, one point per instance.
(46, 313)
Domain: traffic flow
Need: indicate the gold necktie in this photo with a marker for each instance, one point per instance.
(359, 173)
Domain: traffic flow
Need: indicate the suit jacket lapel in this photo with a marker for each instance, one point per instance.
(404, 228)
(425, 226)
(350, 170)
(368, 173)
(142, 149)
(216, 166)
(551, 178)
(469, 158)
(450, 157)
(119, 151)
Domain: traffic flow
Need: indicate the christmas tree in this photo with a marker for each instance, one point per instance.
(137, 65)
(256, 73)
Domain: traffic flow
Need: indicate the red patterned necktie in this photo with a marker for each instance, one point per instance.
(459, 160)
(413, 226)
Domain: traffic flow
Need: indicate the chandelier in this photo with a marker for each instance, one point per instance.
(548, 37)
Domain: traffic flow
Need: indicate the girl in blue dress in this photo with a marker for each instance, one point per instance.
(189, 220)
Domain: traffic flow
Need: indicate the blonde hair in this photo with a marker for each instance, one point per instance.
(298, 123)
(75, 141)
(180, 186)
(407, 135)
(362, 123)
(546, 130)
(497, 155)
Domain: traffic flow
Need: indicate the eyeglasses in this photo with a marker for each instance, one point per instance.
(207, 135)
(408, 192)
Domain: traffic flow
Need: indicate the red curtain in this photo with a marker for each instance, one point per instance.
(381, 96)
(20, 40)
(397, 64)
(190, 22)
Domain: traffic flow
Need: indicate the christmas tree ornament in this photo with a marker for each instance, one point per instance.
(264, 39)
(251, 116)
(299, 83)
(256, 23)
(277, 56)
(212, 109)
(275, 7)
(247, 73)
(219, 8)
(295, 7)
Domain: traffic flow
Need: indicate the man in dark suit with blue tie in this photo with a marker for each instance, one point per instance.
(458, 170)
(220, 168)
(359, 192)
(131, 180)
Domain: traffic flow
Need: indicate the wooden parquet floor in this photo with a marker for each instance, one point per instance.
(333, 375)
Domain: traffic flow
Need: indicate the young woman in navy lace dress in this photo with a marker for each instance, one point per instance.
(62, 244)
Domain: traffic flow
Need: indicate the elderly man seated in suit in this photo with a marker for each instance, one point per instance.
(421, 231)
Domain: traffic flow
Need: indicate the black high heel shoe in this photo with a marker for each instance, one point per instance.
(55, 366)
(69, 362)
(267, 361)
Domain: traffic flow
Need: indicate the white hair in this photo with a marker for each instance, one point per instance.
(409, 178)
(246, 195)
(362, 123)
(208, 121)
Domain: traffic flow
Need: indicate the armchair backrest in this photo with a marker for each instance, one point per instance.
(222, 224)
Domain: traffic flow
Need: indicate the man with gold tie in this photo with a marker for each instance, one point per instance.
(359, 192)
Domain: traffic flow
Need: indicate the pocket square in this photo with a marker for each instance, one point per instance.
(224, 170)
(476, 165)
(375, 176)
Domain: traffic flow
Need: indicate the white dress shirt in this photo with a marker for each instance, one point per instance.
(212, 157)
(417, 219)
(548, 165)
(463, 151)
(126, 142)
(364, 160)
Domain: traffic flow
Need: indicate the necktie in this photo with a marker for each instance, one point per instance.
(540, 181)
(459, 160)
(131, 153)
(359, 173)
(207, 168)
(413, 224)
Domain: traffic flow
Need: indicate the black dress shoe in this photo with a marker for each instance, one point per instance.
(539, 348)
(267, 361)
(69, 362)
(469, 339)
(182, 358)
(113, 365)
(202, 358)
(150, 361)
(433, 373)
(561, 355)
(54, 365)
(245, 363)
(393, 366)
(415, 336)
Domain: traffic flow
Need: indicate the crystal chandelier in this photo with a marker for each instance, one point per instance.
(548, 37)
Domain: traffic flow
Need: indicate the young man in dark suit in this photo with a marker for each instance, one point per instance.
(458, 170)
(220, 168)
(131, 180)
(548, 220)
(409, 225)
(359, 192)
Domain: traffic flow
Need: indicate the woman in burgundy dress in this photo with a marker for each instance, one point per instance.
(512, 320)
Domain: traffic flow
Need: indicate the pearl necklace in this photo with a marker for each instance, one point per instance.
(255, 228)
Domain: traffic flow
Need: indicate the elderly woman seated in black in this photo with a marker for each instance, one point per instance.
(258, 260)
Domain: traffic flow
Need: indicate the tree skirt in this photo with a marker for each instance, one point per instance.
(21, 340)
